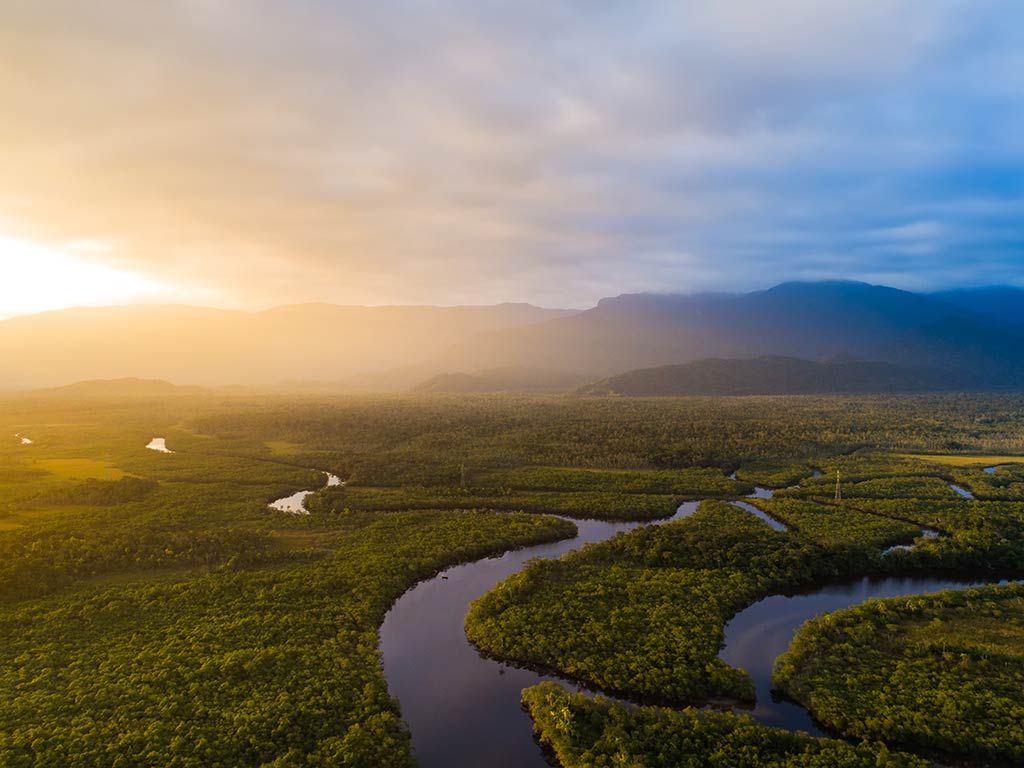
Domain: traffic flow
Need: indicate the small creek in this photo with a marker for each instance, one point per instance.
(293, 505)
(296, 503)
(963, 493)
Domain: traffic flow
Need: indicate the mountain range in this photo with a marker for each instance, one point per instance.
(970, 338)
(813, 321)
(300, 344)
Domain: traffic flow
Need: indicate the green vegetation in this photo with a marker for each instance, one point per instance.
(643, 614)
(268, 666)
(154, 610)
(838, 525)
(688, 482)
(943, 671)
(588, 493)
(964, 460)
(583, 504)
(398, 441)
(774, 474)
(81, 469)
(893, 487)
(589, 733)
(283, 448)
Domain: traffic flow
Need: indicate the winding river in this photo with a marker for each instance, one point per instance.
(463, 708)
(762, 632)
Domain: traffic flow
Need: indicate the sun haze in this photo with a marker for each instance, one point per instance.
(38, 278)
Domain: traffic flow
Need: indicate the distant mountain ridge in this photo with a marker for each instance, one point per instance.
(126, 387)
(1002, 304)
(972, 337)
(771, 375)
(213, 347)
(811, 321)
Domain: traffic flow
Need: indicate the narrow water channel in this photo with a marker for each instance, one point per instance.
(762, 632)
(464, 709)
(296, 503)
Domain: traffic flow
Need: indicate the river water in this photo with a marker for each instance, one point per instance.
(296, 503)
(159, 445)
(760, 633)
(464, 709)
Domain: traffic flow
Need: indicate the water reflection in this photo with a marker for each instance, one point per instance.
(158, 444)
(462, 708)
(761, 633)
(296, 503)
(962, 492)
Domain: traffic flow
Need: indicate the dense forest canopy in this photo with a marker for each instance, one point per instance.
(210, 629)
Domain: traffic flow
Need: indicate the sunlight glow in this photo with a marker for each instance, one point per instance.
(36, 278)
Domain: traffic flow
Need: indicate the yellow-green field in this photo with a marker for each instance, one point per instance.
(283, 447)
(962, 460)
(81, 469)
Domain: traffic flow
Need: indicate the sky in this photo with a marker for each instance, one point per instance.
(249, 153)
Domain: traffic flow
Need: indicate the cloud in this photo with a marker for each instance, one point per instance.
(557, 151)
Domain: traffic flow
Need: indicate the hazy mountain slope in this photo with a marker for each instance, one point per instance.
(399, 347)
(130, 387)
(803, 320)
(987, 352)
(503, 380)
(771, 376)
(618, 334)
(1001, 304)
(207, 346)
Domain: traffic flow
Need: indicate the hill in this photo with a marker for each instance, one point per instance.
(127, 387)
(771, 376)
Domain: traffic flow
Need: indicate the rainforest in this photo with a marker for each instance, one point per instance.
(156, 609)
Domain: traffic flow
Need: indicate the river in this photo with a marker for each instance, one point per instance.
(762, 632)
(463, 708)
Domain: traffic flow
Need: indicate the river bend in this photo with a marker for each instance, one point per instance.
(463, 708)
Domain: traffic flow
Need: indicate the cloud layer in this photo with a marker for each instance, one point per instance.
(467, 151)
